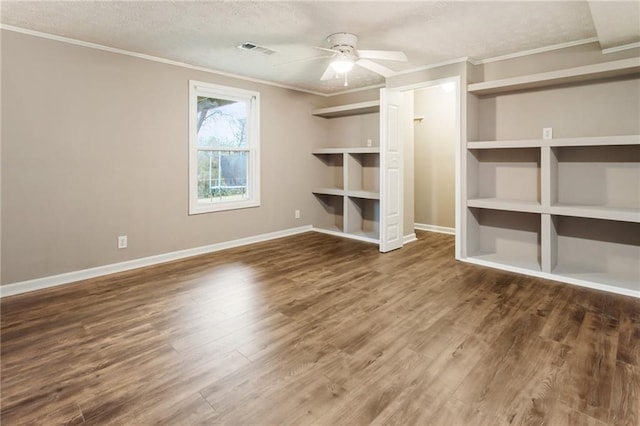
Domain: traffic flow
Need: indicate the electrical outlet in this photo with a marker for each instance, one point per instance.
(547, 133)
(296, 214)
(122, 242)
(369, 143)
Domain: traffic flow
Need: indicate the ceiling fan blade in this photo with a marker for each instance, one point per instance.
(328, 74)
(386, 55)
(377, 68)
(313, 58)
(326, 49)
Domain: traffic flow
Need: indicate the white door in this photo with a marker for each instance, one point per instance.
(390, 170)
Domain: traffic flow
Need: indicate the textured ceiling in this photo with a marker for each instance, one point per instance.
(206, 33)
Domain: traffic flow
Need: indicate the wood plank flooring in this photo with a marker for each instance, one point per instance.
(314, 329)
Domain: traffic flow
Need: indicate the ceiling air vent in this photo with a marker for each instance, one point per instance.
(256, 48)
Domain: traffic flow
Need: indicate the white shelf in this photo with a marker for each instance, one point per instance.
(578, 273)
(356, 236)
(369, 237)
(595, 212)
(508, 205)
(492, 258)
(524, 143)
(557, 142)
(351, 109)
(353, 150)
(594, 141)
(328, 191)
(369, 195)
(618, 68)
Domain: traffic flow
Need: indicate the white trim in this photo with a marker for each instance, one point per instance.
(539, 50)
(554, 277)
(70, 277)
(620, 48)
(434, 228)
(409, 238)
(436, 65)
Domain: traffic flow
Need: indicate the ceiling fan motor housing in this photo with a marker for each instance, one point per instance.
(343, 42)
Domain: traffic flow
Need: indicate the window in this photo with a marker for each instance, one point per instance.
(224, 142)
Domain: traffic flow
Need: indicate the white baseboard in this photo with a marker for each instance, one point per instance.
(409, 238)
(70, 277)
(434, 228)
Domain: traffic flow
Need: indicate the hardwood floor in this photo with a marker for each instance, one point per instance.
(314, 329)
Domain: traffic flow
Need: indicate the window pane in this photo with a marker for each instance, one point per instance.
(221, 123)
(222, 176)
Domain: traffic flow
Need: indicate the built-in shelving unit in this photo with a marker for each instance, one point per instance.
(348, 182)
(563, 208)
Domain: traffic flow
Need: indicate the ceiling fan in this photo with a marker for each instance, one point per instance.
(345, 55)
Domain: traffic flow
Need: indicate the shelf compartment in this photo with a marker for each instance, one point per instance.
(329, 170)
(599, 251)
(363, 173)
(508, 238)
(331, 216)
(363, 217)
(346, 110)
(623, 67)
(504, 174)
(598, 181)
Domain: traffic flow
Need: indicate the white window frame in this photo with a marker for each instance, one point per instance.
(199, 88)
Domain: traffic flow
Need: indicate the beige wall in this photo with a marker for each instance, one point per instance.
(603, 108)
(434, 157)
(95, 145)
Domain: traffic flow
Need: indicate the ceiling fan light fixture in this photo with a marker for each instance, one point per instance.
(342, 65)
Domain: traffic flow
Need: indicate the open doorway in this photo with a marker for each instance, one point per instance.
(437, 177)
(434, 156)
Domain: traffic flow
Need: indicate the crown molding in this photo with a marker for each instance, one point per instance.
(436, 65)
(620, 48)
(538, 50)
